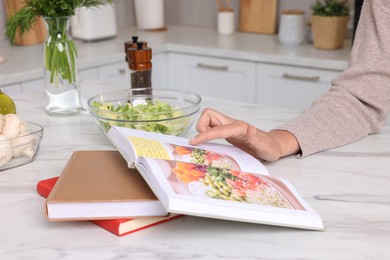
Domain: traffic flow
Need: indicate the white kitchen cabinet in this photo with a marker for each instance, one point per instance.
(160, 70)
(12, 89)
(38, 84)
(89, 74)
(118, 72)
(216, 77)
(113, 73)
(291, 87)
(34, 85)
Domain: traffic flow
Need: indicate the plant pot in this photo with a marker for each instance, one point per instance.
(329, 32)
(36, 35)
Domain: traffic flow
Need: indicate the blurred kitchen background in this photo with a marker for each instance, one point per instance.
(197, 13)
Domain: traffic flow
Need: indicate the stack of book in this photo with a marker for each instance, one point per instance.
(119, 227)
(98, 186)
(154, 178)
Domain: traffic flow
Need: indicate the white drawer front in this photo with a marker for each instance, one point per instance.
(36, 85)
(222, 78)
(89, 74)
(291, 87)
(13, 89)
(114, 73)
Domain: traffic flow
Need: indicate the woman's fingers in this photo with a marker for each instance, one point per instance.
(211, 118)
(237, 129)
(268, 146)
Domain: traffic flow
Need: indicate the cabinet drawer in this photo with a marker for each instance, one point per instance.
(114, 73)
(216, 77)
(13, 89)
(35, 85)
(89, 74)
(291, 87)
(160, 71)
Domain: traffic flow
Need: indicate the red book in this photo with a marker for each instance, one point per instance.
(118, 227)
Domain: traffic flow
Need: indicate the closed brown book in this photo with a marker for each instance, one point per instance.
(99, 185)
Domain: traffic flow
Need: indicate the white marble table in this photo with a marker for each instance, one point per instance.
(348, 187)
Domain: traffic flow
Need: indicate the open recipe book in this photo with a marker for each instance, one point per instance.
(212, 180)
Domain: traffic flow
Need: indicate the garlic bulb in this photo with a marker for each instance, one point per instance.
(15, 140)
(24, 144)
(5, 150)
(2, 122)
(11, 126)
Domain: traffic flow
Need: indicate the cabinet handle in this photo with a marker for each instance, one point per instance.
(212, 67)
(122, 71)
(289, 76)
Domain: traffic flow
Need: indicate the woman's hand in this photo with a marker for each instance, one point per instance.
(268, 146)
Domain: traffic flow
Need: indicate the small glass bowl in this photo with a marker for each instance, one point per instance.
(24, 148)
(185, 105)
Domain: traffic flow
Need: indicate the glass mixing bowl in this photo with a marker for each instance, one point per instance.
(165, 111)
(24, 148)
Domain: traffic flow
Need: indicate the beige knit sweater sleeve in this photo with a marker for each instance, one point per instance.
(358, 102)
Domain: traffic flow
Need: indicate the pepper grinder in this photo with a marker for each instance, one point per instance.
(128, 45)
(140, 66)
(133, 44)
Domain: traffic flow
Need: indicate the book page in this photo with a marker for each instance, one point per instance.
(150, 148)
(214, 183)
(206, 191)
(148, 144)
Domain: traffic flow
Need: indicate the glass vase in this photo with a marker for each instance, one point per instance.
(60, 69)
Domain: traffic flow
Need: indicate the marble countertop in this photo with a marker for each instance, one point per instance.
(23, 63)
(348, 187)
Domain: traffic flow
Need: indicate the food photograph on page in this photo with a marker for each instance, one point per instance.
(231, 185)
(200, 156)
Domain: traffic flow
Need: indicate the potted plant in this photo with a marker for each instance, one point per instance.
(329, 23)
(36, 34)
(60, 66)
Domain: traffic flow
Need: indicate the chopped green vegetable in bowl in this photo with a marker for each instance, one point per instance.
(156, 110)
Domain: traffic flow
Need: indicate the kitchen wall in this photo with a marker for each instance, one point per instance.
(200, 13)
(3, 41)
(188, 12)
